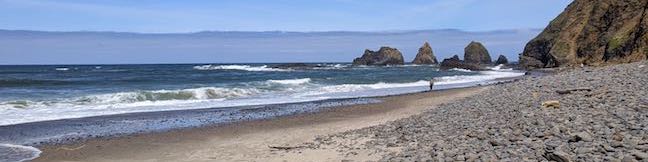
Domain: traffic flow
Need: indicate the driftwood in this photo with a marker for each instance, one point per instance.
(72, 149)
(285, 147)
(551, 104)
(568, 91)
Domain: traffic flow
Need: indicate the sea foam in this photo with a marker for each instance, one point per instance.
(291, 81)
(19, 153)
(238, 67)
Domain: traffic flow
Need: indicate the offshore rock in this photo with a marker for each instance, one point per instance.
(425, 55)
(501, 60)
(455, 62)
(384, 56)
(476, 53)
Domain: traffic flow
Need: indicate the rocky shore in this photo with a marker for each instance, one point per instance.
(589, 114)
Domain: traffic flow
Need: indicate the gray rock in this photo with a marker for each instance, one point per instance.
(501, 60)
(628, 159)
(558, 156)
(476, 53)
(514, 121)
(455, 62)
(384, 56)
(581, 136)
(640, 155)
(425, 55)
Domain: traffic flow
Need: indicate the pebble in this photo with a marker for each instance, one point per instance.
(506, 122)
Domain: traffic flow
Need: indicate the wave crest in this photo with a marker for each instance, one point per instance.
(461, 70)
(206, 93)
(237, 67)
(291, 81)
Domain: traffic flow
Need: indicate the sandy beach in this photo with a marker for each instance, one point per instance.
(251, 140)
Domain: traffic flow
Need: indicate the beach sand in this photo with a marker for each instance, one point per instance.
(251, 140)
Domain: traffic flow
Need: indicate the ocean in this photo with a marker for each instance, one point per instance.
(41, 95)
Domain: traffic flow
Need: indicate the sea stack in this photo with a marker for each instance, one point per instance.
(384, 56)
(593, 33)
(501, 60)
(455, 62)
(476, 53)
(425, 55)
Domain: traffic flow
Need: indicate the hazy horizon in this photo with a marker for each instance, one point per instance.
(261, 31)
(37, 47)
(146, 32)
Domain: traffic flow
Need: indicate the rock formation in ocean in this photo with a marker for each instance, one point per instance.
(501, 60)
(592, 32)
(384, 56)
(425, 55)
(476, 53)
(455, 62)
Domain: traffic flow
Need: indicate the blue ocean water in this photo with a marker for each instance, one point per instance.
(36, 100)
(49, 92)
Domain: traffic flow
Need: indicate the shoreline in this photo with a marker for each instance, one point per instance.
(340, 117)
(72, 130)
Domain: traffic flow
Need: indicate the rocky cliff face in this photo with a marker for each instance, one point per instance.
(476, 53)
(384, 56)
(592, 32)
(501, 60)
(425, 55)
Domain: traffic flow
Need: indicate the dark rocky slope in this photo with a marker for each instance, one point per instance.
(425, 55)
(592, 32)
(384, 56)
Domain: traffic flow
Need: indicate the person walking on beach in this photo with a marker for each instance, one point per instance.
(431, 83)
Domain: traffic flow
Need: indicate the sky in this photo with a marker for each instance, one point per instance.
(480, 20)
(154, 16)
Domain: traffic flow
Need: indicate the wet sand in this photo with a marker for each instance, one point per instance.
(251, 140)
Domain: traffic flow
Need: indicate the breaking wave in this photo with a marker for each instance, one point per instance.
(461, 70)
(291, 81)
(238, 67)
(332, 66)
(499, 68)
(482, 77)
(111, 99)
(360, 87)
(137, 98)
(249, 93)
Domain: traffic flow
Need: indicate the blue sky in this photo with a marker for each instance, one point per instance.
(152, 16)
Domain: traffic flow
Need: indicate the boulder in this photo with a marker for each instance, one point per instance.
(592, 32)
(476, 53)
(501, 60)
(455, 62)
(425, 55)
(384, 56)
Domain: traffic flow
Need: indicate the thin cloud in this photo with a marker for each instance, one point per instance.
(103, 9)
